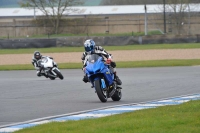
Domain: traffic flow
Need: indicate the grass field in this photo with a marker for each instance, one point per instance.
(129, 64)
(108, 48)
(182, 118)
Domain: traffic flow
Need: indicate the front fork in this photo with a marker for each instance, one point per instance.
(47, 72)
(103, 84)
(52, 70)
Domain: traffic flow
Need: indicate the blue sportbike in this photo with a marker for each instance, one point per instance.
(102, 79)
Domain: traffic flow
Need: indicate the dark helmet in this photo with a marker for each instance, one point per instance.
(37, 55)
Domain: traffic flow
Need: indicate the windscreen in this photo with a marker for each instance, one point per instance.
(93, 58)
(43, 60)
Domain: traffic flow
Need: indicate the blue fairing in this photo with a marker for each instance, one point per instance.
(96, 66)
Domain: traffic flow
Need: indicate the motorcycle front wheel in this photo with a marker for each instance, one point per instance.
(59, 74)
(100, 93)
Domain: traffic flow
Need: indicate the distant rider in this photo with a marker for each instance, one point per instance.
(37, 56)
(90, 48)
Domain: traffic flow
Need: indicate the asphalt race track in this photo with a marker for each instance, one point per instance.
(24, 96)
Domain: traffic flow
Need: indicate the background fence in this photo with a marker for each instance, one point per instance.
(113, 24)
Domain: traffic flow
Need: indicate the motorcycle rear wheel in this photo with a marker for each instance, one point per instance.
(117, 95)
(102, 96)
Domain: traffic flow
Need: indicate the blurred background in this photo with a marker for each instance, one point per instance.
(23, 19)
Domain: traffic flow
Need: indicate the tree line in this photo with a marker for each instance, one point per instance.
(140, 2)
(54, 10)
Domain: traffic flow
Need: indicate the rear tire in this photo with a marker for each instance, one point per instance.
(59, 74)
(103, 97)
(117, 95)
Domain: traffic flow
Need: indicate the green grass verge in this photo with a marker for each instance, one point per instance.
(108, 48)
(128, 64)
(30, 66)
(183, 118)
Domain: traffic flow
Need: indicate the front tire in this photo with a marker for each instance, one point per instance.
(102, 96)
(59, 74)
(117, 95)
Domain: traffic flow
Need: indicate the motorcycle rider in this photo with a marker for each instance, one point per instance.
(90, 48)
(37, 56)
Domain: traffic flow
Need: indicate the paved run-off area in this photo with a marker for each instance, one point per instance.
(121, 55)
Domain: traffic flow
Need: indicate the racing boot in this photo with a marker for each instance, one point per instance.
(39, 74)
(85, 79)
(118, 81)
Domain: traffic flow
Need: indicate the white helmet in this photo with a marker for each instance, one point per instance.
(89, 45)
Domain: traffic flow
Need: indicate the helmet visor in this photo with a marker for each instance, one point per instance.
(88, 49)
(37, 57)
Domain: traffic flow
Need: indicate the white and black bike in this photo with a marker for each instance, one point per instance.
(49, 68)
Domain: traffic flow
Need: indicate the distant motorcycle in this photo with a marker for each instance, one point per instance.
(49, 68)
(101, 78)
